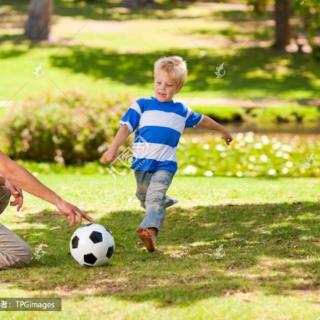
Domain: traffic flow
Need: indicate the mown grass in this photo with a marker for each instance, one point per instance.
(105, 56)
(98, 71)
(231, 249)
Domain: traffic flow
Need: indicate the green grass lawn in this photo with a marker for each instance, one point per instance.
(103, 49)
(267, 267)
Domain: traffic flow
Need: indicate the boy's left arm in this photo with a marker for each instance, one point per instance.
(209, 123)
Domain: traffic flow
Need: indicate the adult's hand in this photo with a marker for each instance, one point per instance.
(16, 193)
(72, 213)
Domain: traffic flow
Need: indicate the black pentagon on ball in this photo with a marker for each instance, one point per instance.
(75, 242)
(110, 252)
(96, 236)
(89, 258)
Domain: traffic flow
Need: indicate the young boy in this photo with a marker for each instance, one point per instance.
(158, 123)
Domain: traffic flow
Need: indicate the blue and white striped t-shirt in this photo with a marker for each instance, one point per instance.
(158, 127)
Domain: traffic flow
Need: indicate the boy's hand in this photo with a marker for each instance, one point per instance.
(227, 137)
(109, 156)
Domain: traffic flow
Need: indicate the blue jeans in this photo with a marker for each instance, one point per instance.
(151, 191)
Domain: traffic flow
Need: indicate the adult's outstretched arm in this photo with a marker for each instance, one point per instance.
(23, 179)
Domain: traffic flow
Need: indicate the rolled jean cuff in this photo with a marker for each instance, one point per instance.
(151, 223)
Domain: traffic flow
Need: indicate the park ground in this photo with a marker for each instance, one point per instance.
(95, 48)
(230, 249)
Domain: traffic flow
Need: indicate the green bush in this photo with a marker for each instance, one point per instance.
(67, 128)
(286, 114)
(249, 155)
(275, 115)
(225, 114)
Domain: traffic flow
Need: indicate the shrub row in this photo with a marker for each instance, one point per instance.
(68, 128)
(249, 155)
(290, 114)
(74, 128)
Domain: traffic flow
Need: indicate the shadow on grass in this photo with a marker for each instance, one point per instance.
(203, 252)
(232, 33)
(14, 39)
(253, 69)
(240, 15)
(114, 10)
(103, 10)
(11, 53)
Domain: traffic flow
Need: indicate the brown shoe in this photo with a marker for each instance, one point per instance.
(148, 237)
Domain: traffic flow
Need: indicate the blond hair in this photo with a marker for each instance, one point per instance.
(175, 66)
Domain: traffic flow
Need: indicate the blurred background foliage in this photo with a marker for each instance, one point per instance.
(68, 77)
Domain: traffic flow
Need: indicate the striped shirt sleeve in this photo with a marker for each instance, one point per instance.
(193, 119)
(132, 117)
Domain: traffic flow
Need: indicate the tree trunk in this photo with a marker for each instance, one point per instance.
(259, 6)
(134, 4)
(38, 25)
(282, 24)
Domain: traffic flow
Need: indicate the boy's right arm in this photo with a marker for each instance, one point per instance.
(209, 123)
(111, 154)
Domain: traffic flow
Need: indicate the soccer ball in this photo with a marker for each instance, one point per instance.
(92, 245)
